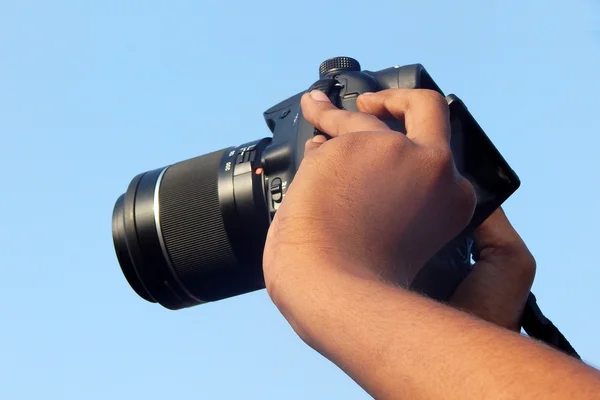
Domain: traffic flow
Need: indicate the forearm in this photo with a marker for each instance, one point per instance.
(398, 345)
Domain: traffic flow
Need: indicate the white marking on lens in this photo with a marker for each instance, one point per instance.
(163, 246)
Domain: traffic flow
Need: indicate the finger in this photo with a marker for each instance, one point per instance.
(497, 288)
(425, 113)
(326, 117)
(503, 250)
(496, 232)
(314, 143)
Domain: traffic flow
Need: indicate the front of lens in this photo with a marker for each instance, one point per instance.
(179, 235)
(122, 250)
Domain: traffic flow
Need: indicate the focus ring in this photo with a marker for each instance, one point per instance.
(191, 221)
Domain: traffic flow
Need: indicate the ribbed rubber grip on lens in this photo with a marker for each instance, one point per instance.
(190, 218)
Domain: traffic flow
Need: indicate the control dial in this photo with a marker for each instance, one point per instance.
(338, 64)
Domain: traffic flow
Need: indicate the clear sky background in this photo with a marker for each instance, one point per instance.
(94, 92)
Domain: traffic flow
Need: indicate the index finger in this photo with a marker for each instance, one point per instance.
(326, 117)
(425, 113)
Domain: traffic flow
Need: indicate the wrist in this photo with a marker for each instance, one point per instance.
(311, 288)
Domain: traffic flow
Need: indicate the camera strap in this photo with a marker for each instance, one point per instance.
(537, 326)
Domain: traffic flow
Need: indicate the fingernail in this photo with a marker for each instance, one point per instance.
(319, 139)
(367, 93)
(319, 96)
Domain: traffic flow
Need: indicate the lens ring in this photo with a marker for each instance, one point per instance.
(144, 246)
(123, 253)
(161, 239)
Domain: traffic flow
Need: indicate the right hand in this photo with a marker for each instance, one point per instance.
(370, 196)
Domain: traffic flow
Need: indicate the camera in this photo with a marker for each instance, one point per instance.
(194, 231)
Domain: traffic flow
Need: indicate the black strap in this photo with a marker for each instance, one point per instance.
(537, 326)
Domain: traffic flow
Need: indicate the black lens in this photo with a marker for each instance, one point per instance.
(194, 232)
(120, 242)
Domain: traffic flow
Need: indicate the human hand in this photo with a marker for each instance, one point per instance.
(384, 200)
(372, 202)
(498, 286)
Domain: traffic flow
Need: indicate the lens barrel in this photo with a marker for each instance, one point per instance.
(181, 236)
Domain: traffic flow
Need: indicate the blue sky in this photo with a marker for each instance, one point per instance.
(92, 93)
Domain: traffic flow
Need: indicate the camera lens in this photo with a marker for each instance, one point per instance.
(179, 233)
(123, 255)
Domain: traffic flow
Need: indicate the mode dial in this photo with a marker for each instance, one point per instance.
(338, 64)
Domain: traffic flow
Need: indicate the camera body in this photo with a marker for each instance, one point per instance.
(194, 232)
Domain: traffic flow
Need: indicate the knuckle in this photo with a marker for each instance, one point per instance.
(388, 148)
(348, 145)
(523, 263)
(524, 260)
(367, 118)
(361, 122)
(442, 162)
(393, 143)
(341, 121)
(444, 155)
(376, 149)
(431, 96)
(462, 198)
(528, 262)
(528, 270)
(329, 120)
(466, 197)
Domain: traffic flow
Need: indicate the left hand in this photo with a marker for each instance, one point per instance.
(498, 286)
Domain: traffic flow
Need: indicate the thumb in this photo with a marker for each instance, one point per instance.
(314, 143)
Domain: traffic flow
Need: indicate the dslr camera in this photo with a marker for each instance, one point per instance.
(194, 231)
